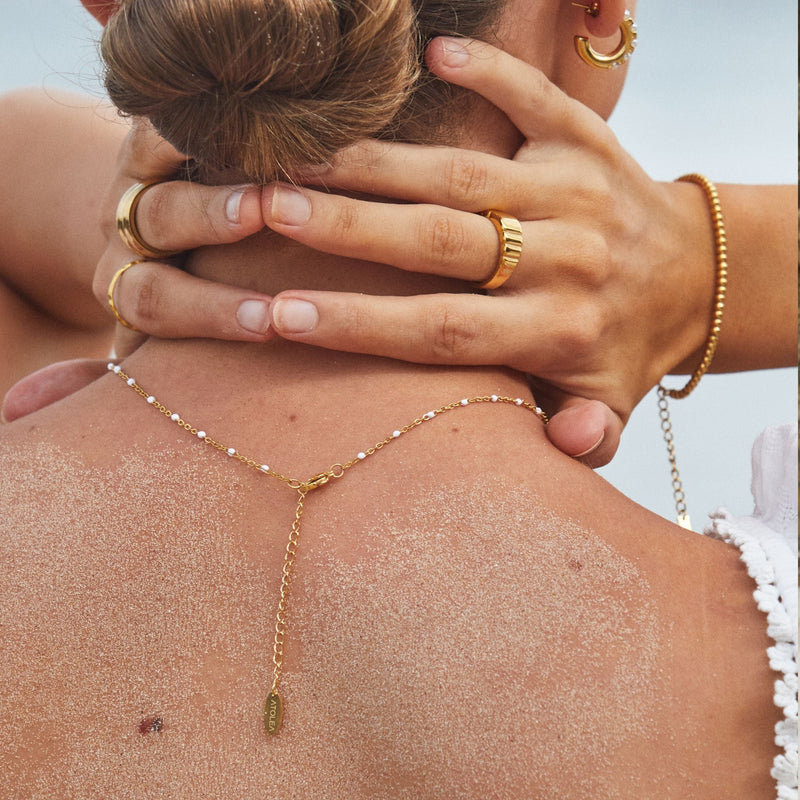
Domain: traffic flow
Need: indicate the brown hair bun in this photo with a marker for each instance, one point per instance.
(262, 87)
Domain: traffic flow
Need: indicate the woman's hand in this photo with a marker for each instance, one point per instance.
(603, 302)
(613, 289)
(155, 297)
(615, 285)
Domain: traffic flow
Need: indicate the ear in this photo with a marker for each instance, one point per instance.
(101, 10)
(607, 22)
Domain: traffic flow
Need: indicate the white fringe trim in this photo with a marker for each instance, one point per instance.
(782, 628)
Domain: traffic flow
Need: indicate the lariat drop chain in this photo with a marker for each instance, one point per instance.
(273, 709)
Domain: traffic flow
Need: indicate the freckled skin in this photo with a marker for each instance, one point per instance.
(432, 601)
(181, 611)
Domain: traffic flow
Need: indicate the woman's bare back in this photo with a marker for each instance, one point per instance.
(472, 615)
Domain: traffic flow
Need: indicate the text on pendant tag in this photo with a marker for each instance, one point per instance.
(273, 713)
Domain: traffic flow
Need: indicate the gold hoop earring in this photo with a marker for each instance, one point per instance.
(619, 56)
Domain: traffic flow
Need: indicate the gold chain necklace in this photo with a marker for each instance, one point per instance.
(273, 708)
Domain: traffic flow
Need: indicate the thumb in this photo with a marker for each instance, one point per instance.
(49, 384)
(587, 430)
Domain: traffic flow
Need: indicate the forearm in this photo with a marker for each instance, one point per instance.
(759, 327)
(57, 155)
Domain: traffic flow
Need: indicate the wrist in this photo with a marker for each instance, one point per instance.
(692, 280)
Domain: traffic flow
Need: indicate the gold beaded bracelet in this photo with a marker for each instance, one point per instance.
(721, 249)
(721, 254)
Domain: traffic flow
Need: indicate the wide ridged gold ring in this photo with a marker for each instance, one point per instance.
(113, 285)
(126, 223)
(510, 232)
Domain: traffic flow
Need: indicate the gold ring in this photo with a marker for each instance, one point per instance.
(113, 285)
(510, 232)
(126, 223)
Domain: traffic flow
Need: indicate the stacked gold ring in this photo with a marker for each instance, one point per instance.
(510, 233)
(126, 223)
(113, 285)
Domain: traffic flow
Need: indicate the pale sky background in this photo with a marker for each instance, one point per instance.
(712, 88)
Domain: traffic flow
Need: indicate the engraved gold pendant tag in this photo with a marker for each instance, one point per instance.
(273, 713)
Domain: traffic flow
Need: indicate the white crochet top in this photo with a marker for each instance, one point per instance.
(767, 541)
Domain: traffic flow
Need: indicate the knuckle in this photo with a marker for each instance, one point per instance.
(538, 89)
(358, 325)
(152, 216)
(592, 260)
(466, 180)
(449, 333)
(345, 220)
(602, 262)
(444, 241)
(544, 89)
(540, 93)
(585, 331)
(203, 221)
(604, 142)
(592, 191)
(145, 299)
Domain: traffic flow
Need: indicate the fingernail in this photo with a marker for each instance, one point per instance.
(316, 170)
(592, 448)
(253, 316)
(232, 206)
(455, 54)
(294, 316)
(290, 206)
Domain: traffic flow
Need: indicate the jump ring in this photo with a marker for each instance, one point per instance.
(510, 232)
(111, 286)
(126, 223)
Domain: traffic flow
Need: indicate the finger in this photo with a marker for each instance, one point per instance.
(463, 179)
(587, 430)
(430, 238)
(466, 180)
(147, 156)
(419, 238)
(449, 329)
(48, 385)
(425, 329)
(536, 106)
(161, 300)
(180, 215)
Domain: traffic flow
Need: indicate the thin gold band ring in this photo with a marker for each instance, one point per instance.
(113, 285)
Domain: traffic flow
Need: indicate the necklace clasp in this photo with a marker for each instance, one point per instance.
(317, 481)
